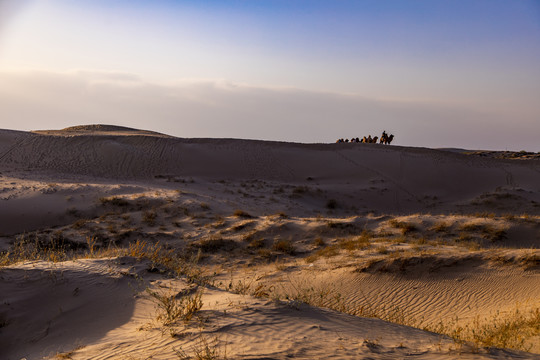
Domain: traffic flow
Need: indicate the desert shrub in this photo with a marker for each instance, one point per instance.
(331, 204)
(114, 201)
(215, 244)
(256, 243)
(485, 214)
(265, 254)
(470, 227)
(319, 242)
(328, 251)
(511, 331)
(54, 247)
(204, 350)
(339, 225)
(205, 206)
(149, 217)
(405, 227)
(174, 307)
(382, 249)
(355, 243)
(241, 226)
(494, 234)
(284, 246)
(463, 237)
(242, 214)
(299, 190)
(440, 227)
(79, 224)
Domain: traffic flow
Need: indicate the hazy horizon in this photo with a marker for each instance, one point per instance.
(459, 74)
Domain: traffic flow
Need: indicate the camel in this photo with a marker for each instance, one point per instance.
(390, 138)
(375, 139)
(384, 137)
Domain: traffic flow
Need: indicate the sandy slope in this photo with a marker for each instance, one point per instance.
(69, 295)
(471, 249)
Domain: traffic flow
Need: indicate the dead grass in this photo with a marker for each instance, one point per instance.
(149, 217)
(242, 214)
(510, 331)
(405, 227)
(114, 201)
(440, 227)
(204, 349)
(285, 246)
(256, 243)
(172, 307)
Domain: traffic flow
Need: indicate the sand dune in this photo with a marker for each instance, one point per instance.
(293, 239)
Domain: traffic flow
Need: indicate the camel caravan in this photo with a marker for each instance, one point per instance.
(385, 139)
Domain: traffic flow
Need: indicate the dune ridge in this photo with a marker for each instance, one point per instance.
(285, 242)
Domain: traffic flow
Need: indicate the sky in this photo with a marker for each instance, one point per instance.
(435, 73)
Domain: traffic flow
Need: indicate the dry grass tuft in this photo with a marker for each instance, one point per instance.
(440, 227)
(511, 331)
(242, 214)
(405, 227)
(149, 217)
(205, 350)
(114, 201)
(284, 246)
(174, 307)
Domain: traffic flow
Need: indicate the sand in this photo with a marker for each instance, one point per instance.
(303, 247)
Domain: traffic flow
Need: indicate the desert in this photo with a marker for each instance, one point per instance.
(118, 243)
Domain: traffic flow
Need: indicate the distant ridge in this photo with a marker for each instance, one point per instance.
(99, 127)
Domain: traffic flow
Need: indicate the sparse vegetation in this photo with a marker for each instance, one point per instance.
(205, 350)
(331, 204)
(440, 227)
(284, 246)
(511, 331)
(405, 227)
(173, 307)
(214, 244)
(256, 243)
(205, 206)
(242, 214)
(149, 217)
(113, 201)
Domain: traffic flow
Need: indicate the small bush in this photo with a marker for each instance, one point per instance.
(256, 244)
(172, 308)
(382, 250)
(284, 246)
(214, 244)
(205, 206)
(331, 204)
(299, 190)
(114, 201)
(149, 217)
(405, 227)
(79, 223)
(440, 227)
(319, 242)
(242, 214)
(470, 227)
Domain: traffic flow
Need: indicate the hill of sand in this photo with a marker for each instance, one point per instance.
(293, 250)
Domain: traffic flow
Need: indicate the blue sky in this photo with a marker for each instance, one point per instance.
(464, 72)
